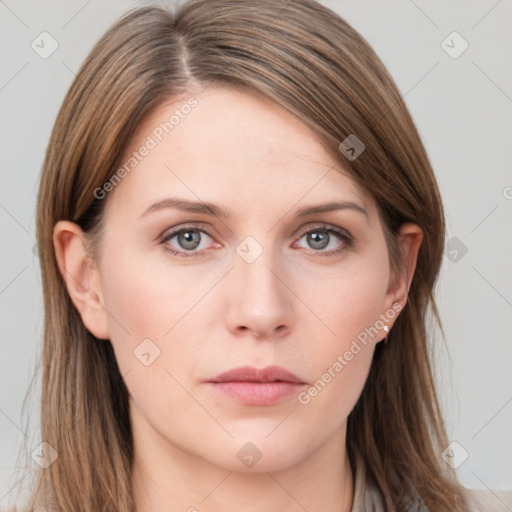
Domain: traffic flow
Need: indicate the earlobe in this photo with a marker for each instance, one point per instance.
(81, 276)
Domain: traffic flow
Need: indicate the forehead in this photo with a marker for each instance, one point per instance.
(231, 146)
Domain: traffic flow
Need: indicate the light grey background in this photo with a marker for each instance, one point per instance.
(462, 107)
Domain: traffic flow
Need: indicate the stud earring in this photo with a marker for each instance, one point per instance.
(386, 328)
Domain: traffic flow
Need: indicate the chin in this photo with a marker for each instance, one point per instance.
(259, 454)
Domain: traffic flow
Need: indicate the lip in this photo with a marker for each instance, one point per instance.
(253, 386)
(252, 374)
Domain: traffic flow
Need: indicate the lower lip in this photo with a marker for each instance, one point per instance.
(257, 393)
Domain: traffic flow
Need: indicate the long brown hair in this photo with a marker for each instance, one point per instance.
(314, 64)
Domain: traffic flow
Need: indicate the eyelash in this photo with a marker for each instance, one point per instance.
(327, 228)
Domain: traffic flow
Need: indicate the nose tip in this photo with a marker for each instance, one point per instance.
(259, 302)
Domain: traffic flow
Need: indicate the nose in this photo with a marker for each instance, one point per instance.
(261, 304)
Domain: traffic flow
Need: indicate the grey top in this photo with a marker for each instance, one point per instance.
(368, 498)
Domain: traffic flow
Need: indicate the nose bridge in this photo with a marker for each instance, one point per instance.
(260, 278)
(260, 300)
(257, 271)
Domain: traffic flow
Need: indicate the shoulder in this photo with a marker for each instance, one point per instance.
(480, 500)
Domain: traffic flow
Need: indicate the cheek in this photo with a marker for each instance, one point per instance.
(149, 299)
(154, 326)
(339, 363)
(349, 304)
(146, 295)
(348, 299)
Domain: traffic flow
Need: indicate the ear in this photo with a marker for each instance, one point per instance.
(81, 276)
(409, 238)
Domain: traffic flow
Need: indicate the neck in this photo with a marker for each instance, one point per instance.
(166, 478)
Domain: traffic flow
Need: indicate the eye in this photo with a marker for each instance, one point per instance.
(325, 236)
(191, 241)
(188, 241)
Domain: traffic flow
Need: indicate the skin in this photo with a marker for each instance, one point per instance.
(290, 307)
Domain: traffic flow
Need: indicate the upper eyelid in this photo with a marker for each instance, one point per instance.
(201, 226)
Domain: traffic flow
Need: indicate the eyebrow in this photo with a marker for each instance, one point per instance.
(220, 212)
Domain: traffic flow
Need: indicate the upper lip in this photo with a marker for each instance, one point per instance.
(252, 374)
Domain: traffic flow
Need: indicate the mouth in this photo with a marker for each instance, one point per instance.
(253, 386)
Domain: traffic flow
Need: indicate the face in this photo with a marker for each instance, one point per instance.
(258, 279)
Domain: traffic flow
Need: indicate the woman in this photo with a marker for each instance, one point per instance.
(239, 233)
